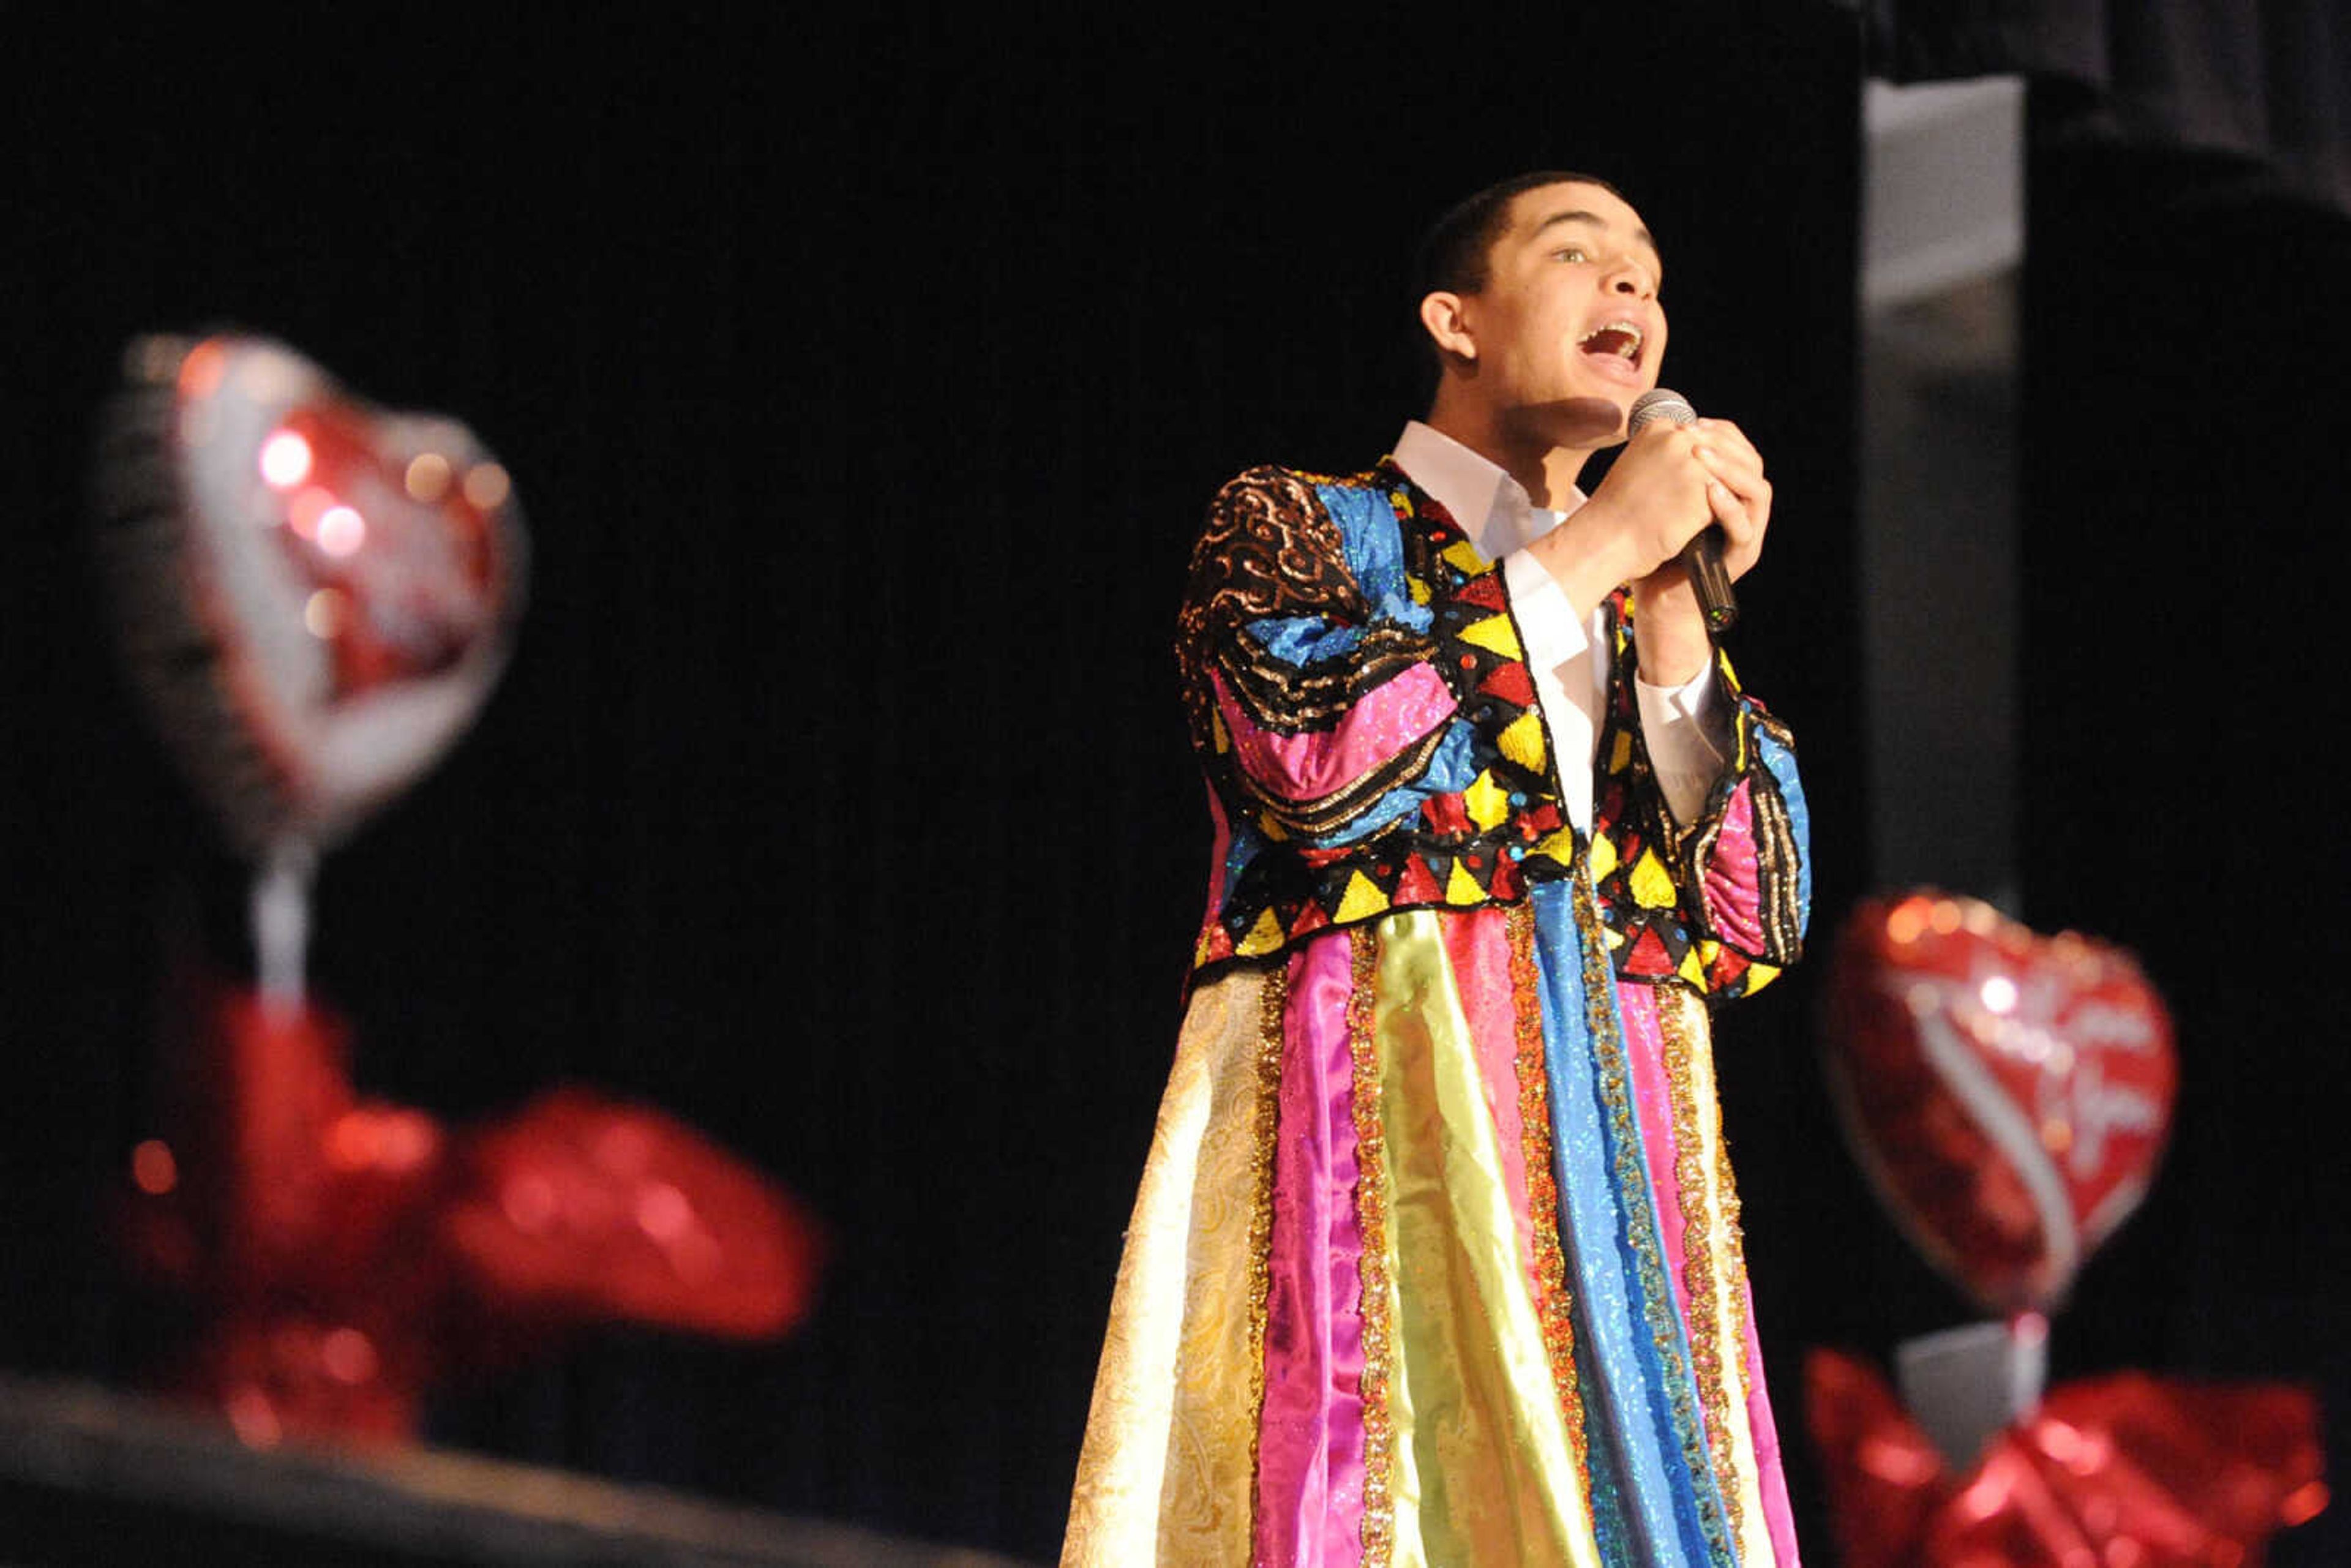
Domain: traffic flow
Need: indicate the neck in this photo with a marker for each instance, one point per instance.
(1544, 466)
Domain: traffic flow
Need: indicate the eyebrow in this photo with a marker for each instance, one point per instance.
(1597, 221)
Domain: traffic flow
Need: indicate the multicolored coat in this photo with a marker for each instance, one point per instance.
(1436, 1256)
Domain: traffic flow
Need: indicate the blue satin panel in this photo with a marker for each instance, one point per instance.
(1373, 541)
(1304, 640)
(1648, 1427)
(1782, 762)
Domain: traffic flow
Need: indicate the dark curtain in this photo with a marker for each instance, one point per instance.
(2269, 79)
(2184, 462)
(862, 389)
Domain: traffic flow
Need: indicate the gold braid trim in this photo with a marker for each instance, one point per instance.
(1734, 1243)
(1553, 1306)
(1700, 1257)
(1281, 696)
(1268, 548)
(1272, 1004)
(1372, 1220)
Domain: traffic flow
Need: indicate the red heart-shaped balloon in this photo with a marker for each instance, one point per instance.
(316, 594)
(2008, 1093)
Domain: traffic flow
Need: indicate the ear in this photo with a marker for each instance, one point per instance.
(1446, 315)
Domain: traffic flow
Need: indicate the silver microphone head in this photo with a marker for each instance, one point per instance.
(1659, 403)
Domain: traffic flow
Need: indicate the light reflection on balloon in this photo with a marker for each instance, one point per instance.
(426, 478)
(284, 460)
(341, 531)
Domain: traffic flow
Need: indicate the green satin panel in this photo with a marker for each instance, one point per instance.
(1482, 1469)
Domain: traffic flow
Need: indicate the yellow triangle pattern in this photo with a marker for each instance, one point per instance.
(1561, 847)
(1263, 937)
(1496, 634)
(1462, 888)
(1692, 970)
(1604, 856)
(1363, 899)
(1653, 886)
(1522, 742)
(1417, 589)
(1486, 802)
(1463, 557)
(1708, 950)
(1615, 938)
(1217, 729)
(1760, 976)
(1621, 752)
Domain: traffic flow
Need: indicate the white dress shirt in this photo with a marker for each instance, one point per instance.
(1566, 644)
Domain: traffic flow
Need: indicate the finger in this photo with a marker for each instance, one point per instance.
(1745, 478)
(1727, 459)
(1723, 432)
(1729, 511)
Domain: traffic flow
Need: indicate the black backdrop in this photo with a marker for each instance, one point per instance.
(863, 390)
(2184, 478)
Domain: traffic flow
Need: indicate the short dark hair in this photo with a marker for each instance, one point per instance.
(1457, 254)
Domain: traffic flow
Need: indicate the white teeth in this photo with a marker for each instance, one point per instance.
(1632, 347)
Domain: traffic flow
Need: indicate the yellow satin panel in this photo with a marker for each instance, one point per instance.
(1166, 1471)
(1682, 1019)
(1481, 1468)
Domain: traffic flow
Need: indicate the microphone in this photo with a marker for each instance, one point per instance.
(1702, 557)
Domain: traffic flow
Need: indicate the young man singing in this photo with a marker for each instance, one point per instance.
(1436, 1257)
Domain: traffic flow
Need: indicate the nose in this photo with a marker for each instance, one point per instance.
(1631, 276)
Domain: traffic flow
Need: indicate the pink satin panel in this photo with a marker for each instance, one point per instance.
(1733, 887)
(1314, 763)
(1309, 1503)
(1645, 1047)
(1221, 844)
(1479, 946)
(1772, 1480)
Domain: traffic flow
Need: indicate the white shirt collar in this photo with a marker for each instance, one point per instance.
(1493, 509)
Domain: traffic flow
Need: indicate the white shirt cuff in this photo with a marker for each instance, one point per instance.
(1687, 739)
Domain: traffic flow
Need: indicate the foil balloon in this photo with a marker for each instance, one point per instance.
(339, 1258)
(315, 594)
(2008, 1093)
(2155, 1472)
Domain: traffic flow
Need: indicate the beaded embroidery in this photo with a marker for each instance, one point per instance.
(1372, 1217)
(1648, 868)
(1272, 1005)
(1707, 1353)
(1458, 818)
(1554, 1305)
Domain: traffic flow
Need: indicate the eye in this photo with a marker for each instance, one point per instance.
(1572, 253)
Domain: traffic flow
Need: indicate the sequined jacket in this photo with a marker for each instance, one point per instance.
(1359, 698)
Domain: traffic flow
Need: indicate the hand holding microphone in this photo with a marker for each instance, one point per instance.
(1701, 557)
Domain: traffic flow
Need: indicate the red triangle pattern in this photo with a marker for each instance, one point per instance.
(1446, 815)
(1418, 884)
(1511, 683)
(1649, 957)
(1484, 591)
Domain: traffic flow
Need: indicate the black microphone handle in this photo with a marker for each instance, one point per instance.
(1702, 559)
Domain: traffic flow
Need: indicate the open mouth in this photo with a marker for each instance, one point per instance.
(1618, 340)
